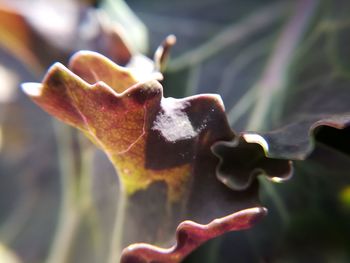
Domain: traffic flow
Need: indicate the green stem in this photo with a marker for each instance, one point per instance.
(66, 231)
(117, 234)
(70, 215)
(87, 202)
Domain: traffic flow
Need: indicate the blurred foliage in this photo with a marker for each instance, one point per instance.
(223, 47)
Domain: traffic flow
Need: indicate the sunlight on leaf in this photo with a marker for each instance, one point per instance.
(155, 143)
(185, 175)
(116, 123)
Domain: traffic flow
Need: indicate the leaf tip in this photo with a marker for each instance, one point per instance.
(32, 89)
(171, 39)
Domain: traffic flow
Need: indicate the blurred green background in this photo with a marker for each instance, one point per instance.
(225, 47)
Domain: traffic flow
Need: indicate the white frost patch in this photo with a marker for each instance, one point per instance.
(173, 123)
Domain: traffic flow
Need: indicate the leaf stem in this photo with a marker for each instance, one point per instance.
(69, 216)
(117, 234)
(87, 201)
